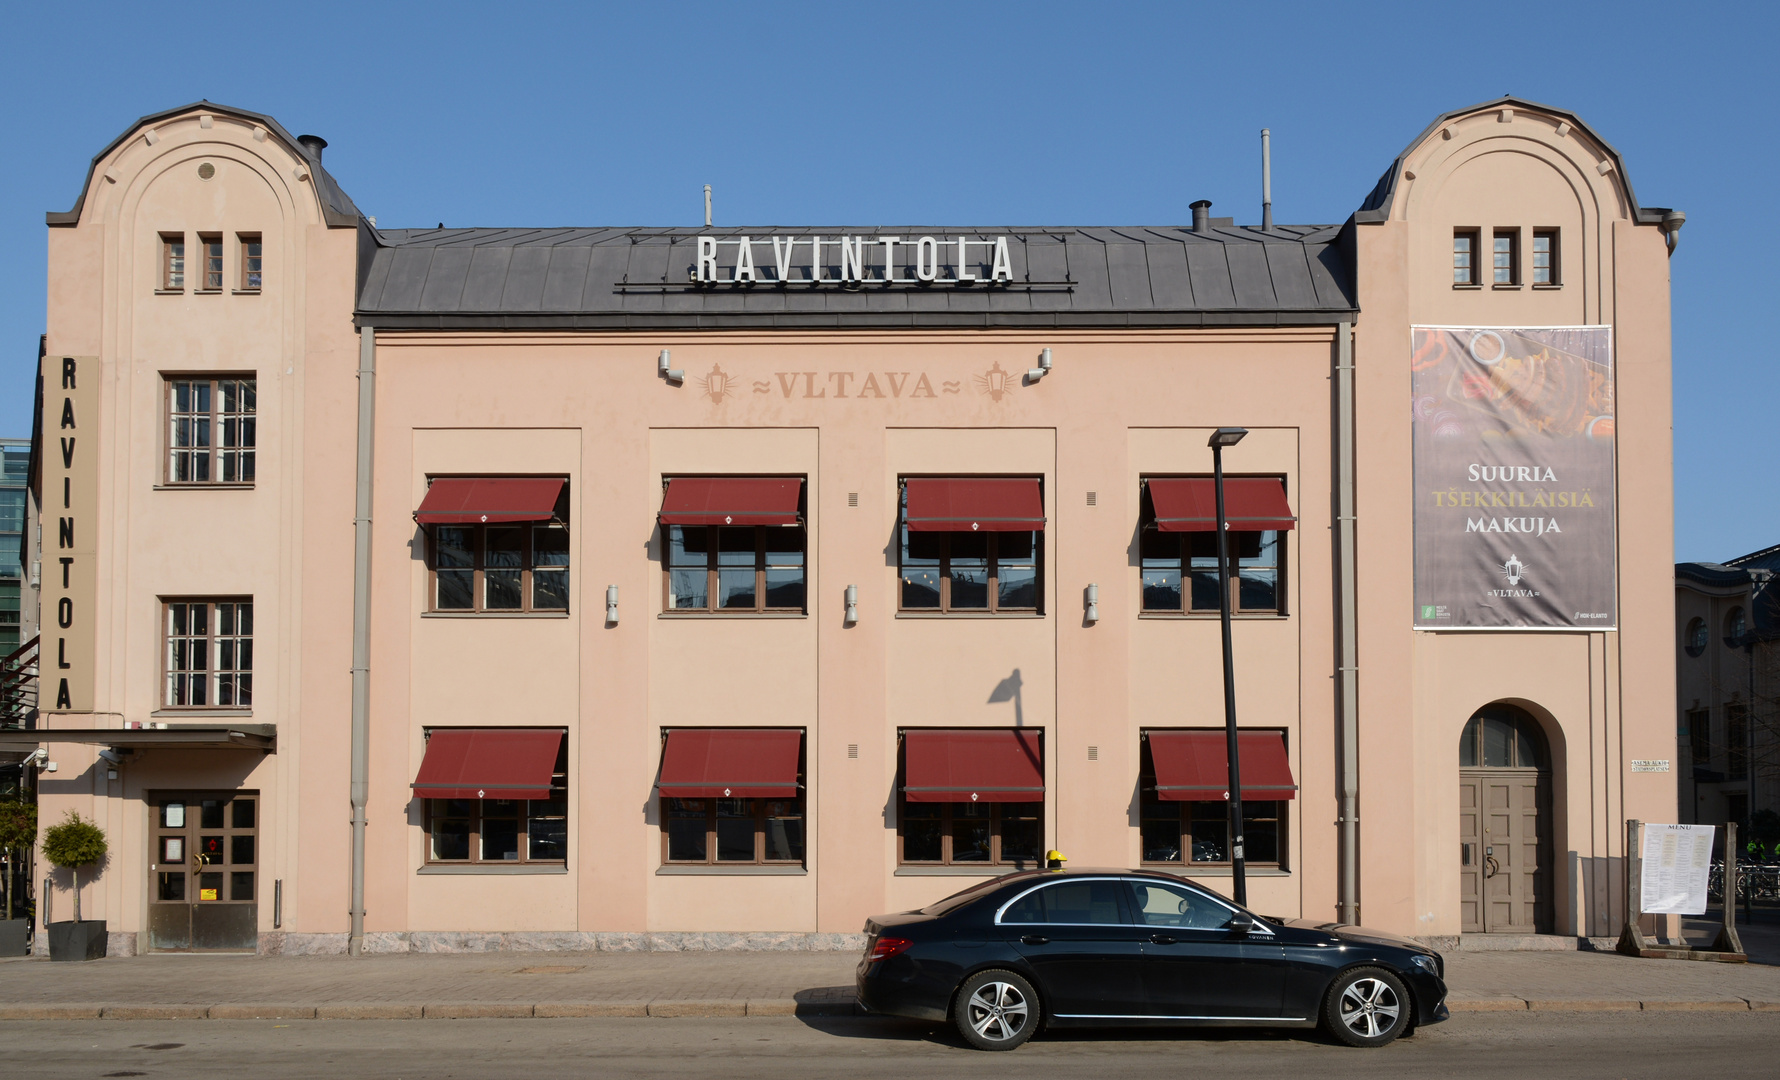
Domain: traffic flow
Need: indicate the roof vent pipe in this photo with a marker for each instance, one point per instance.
(1202, 216)
(312, 145)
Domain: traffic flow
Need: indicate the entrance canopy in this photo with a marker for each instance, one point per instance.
(488, 763)
(476, 500)
(1194, 766)
(731, 500)
(731, 763)
(993, 765)
(975, 504)
(1190, 504)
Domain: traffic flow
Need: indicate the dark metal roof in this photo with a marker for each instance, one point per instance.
(621, 278)
(337, 209)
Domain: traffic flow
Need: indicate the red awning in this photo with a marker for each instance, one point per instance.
(731, 500)
(730, 763)
(1251, 504)
(993, 765)
(1194, 766)
(488, 763)
(972, 504)
(474, 500)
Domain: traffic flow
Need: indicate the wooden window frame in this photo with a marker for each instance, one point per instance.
(712, 567)
(523, 816)
(205, 274)
(1152, 808)
(252, 265)
(479, 550)
(1512, 235)
(1475, 236)
(173, 265)
(759, 810)
(947, 816)
(237, 678)
(1554, 269)
(216, 453)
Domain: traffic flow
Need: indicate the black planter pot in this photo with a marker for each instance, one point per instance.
(84, 940)
(15, 937)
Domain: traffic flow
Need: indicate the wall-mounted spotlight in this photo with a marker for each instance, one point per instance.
(1043, 368)
(852, 604)
(667, 371)
(611, 605)
(1093, 603)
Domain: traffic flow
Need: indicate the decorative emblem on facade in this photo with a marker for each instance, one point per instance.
(1514, 570)
(995, 382)
(718, 385)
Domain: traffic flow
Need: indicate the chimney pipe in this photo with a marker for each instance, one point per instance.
(1266, 179)
(312, 145)
(1202, 216)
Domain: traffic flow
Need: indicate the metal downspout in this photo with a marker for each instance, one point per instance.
(361, 627)
(1348, 898)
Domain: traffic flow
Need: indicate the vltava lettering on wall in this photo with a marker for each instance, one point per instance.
(1513, 438)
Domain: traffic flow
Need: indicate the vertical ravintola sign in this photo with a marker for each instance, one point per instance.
(70, 531)
(1514, 519)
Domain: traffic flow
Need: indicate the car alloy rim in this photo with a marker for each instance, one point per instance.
(997, 1011)
(1369, 1007)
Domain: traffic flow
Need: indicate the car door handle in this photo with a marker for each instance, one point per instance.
(1035, 939)
(1162, 939)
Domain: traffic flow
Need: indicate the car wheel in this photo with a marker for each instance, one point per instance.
(996, 1010)
(1366, 1007)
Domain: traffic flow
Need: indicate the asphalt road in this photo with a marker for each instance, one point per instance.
(1474, 1046)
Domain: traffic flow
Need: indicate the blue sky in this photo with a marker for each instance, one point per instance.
(1082, 114)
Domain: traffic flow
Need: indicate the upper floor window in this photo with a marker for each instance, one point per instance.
(252, 262)
(210, 248)
(1545, 257)
(1464, 257)
(1178, 545)
(1505, 257)
(211, 429)
(209, 653)
(733, 544)
(497, 544)
(173, 261)
(972, 544)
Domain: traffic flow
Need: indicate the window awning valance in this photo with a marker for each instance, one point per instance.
(1194, 766)
(973, 765)
(486, 500)
(974, 504)
(731, 763)
(731, 500)
(1190, 504)
(488, 763)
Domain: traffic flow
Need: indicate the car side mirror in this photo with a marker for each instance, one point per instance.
(1241, 922)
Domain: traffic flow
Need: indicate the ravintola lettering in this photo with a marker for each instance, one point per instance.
(778, 259)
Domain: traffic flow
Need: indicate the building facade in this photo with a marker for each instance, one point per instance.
(465, 587)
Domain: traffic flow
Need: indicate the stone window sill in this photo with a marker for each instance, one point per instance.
(748, 870)
(493, 869)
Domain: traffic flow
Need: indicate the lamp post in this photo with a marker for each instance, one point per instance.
(1221, 438)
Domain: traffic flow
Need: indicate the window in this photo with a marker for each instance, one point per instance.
(173, 262)
(1545, 257)
(1180, 572)
(1464, 257)
(503, 830)
(211, 429)
(483, 568)
(1505, 257)
(1169, 828)
(1736, 740)
(1697, 637)
(1094, 902)
(969, 571)
(735, 568)
(1699, 737)
(732, 831)
(209, 655)
(971, 833)
(210, 248)
(252, 262)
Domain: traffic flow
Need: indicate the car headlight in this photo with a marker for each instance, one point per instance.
(1427, 964)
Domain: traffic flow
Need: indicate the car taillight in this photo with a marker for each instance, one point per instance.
(888, 947)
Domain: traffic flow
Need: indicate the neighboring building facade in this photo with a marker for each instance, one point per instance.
(1727, 685)
(768, 607)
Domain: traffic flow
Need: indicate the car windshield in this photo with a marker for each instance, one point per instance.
(959, 899)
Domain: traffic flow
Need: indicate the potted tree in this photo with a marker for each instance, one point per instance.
(72, 844)
(18, 831)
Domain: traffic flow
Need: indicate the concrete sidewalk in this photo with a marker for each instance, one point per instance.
(722, 984)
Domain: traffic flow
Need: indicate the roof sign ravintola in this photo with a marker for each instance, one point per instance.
(801, 260)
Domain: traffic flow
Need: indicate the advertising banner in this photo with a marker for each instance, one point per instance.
(1513, 442)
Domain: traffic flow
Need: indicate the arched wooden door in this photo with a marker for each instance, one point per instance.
(1505, 851)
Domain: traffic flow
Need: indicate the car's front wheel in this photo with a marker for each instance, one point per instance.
(1367, 1007)
(996, 1010)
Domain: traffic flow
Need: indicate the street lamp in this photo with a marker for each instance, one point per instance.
(1222, 437)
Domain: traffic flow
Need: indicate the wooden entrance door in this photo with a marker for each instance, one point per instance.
(204, 871)
(1505, 850)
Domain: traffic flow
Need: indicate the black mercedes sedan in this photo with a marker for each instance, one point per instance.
(1134, 948)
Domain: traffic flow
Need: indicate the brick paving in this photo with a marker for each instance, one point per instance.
(417, 986)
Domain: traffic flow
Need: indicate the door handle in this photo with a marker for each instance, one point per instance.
(1035, 939)
(1162, 939)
